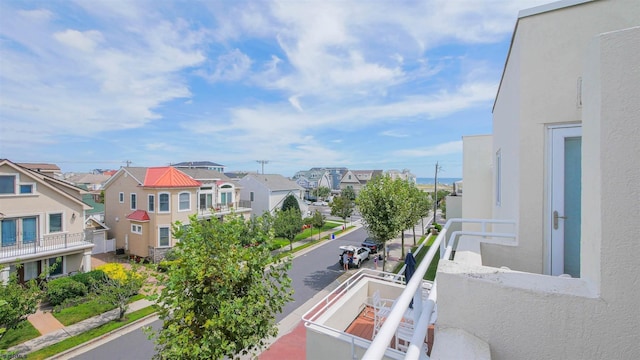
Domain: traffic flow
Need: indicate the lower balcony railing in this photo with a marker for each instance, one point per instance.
(19, 248)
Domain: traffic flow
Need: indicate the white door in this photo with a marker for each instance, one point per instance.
(565, 211)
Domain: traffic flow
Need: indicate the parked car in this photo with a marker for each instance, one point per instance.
(370, 244)
(356, 255)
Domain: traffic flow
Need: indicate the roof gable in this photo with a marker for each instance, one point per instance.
(168, 176)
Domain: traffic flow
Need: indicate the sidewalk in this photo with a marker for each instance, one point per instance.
(64, 332)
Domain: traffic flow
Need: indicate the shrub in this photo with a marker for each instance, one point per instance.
(91, 278)
(116, 271)
(59, 290)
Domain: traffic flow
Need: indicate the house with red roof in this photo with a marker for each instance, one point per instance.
(142, 204)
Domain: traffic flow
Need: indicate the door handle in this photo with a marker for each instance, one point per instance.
(555, 219)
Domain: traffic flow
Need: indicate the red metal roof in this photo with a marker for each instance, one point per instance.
(138, 215)
(168, 176)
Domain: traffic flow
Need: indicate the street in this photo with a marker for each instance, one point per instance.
(309, 273)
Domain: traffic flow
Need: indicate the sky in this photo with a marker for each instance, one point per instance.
(367, 84)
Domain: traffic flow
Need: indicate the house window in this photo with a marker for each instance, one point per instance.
(26, 188)
(7, 184)
(206, 201)
(163, 236)
(121, 197)
(56, 266)
(498, 177)
(137, 229)
(29, 230)
(8, 232)
(134, 201)
(163, 199)
(251, 196)
(55, 223)
(185, 201)
(226, 197)
(30, 270)
(152, 203)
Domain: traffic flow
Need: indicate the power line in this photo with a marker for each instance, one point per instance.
(262, 162)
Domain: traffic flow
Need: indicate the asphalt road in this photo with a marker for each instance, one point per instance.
(309, 273)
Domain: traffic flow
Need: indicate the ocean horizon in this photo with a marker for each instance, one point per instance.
(441, 180)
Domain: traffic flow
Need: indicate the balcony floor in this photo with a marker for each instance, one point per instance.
(362, 327)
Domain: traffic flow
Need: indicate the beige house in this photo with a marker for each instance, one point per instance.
(142, 204)
(546, 263)
(41, 224)
(357, 179)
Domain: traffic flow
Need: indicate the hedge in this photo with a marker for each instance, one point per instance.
(59, 290)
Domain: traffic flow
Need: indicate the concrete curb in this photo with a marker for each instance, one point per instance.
(95, 342)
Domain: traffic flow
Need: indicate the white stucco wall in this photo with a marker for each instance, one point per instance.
(540, 88)
(523, 315)
(477, 173)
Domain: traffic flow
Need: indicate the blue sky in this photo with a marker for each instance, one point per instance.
(362, 84)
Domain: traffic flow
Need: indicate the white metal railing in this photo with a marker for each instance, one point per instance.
(417, 348)
(41, 244)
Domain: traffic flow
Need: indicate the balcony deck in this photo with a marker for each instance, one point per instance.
(46, 245)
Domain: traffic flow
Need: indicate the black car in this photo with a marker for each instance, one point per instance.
(370, 244)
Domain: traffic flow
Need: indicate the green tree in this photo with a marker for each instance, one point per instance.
(321, 192)
(342, 207)
(288, 224)
(379, 203)
(409, 195)
(17, 302)
(221, 298)
(423, 207)
(349, 193)
(290, 202)
(317, 220)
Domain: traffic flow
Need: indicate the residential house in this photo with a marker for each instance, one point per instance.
(546, 262)
(41, 224)
(357, 179)
(205, 165)
(405, 174)
(93, 182)
(142, 204)
(266, 192)
(51, 170)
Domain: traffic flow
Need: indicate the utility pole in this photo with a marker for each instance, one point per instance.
(435, 194)
(262, 162)
(128, 162)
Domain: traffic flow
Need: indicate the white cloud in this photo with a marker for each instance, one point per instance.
(231, 66)
(84, 41)
(394, 133)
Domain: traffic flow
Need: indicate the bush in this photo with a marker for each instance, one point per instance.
(91, 278)
(59, 290)
(116, 271)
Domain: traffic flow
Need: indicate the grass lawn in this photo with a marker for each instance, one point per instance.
(25, 331)
(74, 314)
(281, 242)
(431, 272)
(91, 334)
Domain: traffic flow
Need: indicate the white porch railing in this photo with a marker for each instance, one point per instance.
(424, 309)
(41, 244)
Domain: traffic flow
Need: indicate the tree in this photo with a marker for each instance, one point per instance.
(117, 291)
(380, 203)
(349, 193)
(290, 202)
(318, 221)
(321, 192)
(423, 207)
(220, 298)
(342, 207)
(17, 302)
(406, 194)
(288, 224)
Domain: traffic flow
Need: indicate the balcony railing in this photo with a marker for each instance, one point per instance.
(45, 243)
(222, 209)
(424, 309)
